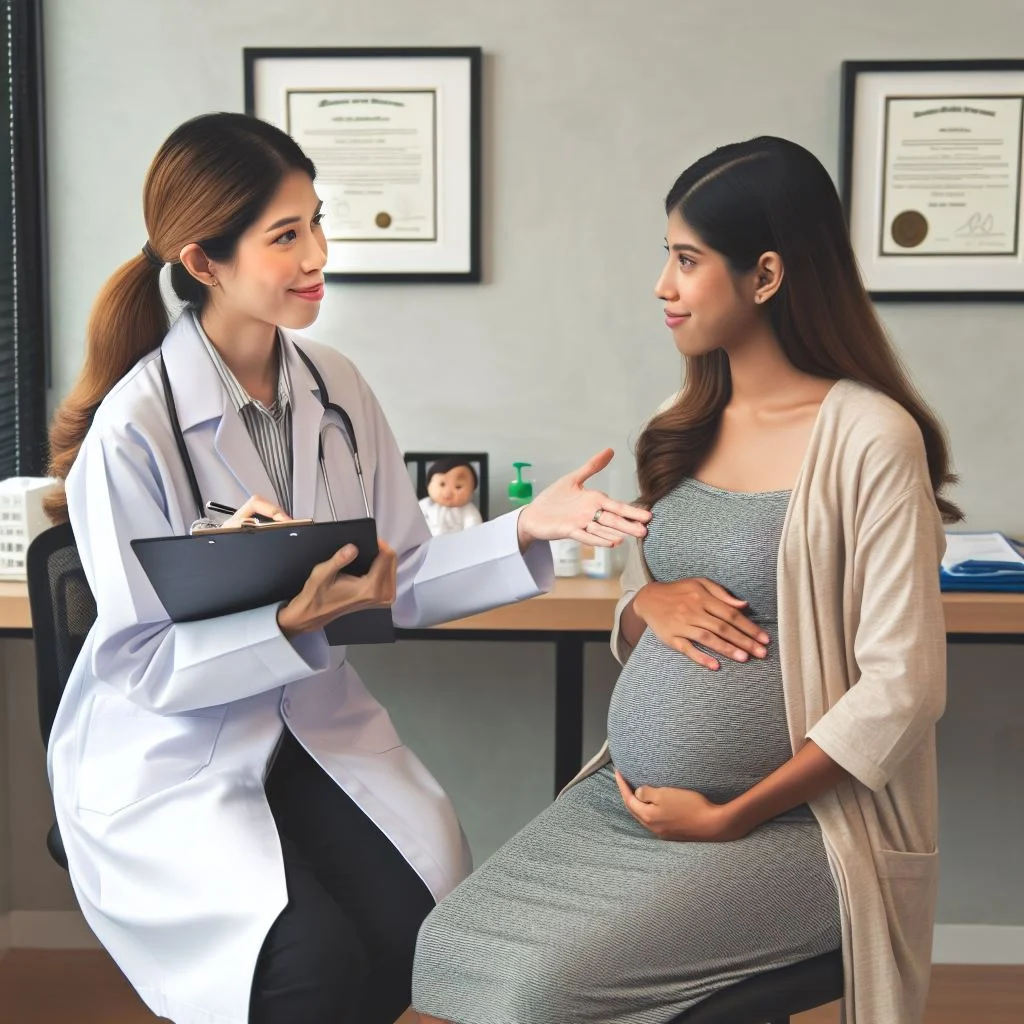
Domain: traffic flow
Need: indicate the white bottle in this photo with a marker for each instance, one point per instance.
(566, 556)
(600, 563)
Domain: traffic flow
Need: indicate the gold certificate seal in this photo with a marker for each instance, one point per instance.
(382, 220)
(909, 229)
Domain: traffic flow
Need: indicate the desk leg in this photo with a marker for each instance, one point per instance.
(568, 707)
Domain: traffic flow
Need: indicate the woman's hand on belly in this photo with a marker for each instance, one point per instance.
(700, 611)
(680, 815)
(685, 815)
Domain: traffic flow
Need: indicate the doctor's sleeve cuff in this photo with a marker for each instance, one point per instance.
(288, 659)
(524, 574)
(249, 651)
(227, 658)
(539, 563)
(462, 574)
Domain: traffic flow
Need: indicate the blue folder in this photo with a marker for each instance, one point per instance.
(986, 575)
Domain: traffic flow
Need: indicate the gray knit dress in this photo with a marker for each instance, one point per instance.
(585, 916)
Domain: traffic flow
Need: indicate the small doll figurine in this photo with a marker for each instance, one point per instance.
(448, 506)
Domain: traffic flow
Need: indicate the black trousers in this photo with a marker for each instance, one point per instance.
(341, 951)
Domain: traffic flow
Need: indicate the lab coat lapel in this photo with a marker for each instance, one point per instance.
(307, 415)
(201, 399)
(240, 457)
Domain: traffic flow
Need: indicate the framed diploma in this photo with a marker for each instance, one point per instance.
(932, 177)
(395, 137)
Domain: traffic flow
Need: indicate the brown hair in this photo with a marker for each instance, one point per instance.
(770, 195)
(209, 182)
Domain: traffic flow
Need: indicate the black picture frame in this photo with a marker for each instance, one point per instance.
(25, 314)
(974, 281)
(456, 256)
(420, 462)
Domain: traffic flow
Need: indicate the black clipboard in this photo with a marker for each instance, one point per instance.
(215, 572)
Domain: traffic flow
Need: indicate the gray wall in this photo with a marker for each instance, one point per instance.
(591, 109)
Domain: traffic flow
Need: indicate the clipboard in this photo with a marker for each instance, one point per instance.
(217, 572)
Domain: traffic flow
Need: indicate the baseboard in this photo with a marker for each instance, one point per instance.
(50, 929)
(5, 932)
(978, 944)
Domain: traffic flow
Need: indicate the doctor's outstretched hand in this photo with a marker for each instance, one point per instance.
(329, 593)
(568, 509)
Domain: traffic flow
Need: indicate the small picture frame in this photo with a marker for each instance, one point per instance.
(419, 463)
(395, 137)
(932, 178)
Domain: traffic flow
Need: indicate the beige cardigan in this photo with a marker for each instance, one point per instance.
(863, 654)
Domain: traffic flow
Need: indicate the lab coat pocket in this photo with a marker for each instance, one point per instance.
(909, 884)
(129, 754)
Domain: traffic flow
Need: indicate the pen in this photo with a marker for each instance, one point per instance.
(227, 510)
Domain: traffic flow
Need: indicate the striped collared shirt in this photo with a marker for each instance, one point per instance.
(270, 428)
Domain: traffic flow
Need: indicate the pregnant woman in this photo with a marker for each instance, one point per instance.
(768, 790)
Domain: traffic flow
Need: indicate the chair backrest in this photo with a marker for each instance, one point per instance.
(422, 461)
(63, 611)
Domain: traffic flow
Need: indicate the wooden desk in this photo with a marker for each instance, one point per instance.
(579, 611)
(585, 604)
(15, 618)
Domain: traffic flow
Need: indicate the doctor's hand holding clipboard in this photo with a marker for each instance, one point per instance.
(336, 587)
(330, 592)
(246, 833)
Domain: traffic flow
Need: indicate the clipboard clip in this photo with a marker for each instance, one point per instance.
(206, 526)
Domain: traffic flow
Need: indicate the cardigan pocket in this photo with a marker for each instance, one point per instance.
(909, 883)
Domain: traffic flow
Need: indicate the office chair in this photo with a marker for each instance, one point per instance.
(422, 461)
(63, 611)
(773, 997)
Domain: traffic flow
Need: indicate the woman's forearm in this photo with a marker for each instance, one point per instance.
(805, 776)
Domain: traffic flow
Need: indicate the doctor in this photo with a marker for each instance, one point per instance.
(246, 833)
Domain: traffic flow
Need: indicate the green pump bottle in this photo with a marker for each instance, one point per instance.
(520, 491)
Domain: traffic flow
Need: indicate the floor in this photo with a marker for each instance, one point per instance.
(84, 987)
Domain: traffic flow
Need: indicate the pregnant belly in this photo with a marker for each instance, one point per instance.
(672, 722)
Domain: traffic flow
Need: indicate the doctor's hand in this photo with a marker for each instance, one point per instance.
(329, 593)
(568, 509)
(256, 506)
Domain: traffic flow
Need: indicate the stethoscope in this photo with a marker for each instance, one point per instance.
(345, 427)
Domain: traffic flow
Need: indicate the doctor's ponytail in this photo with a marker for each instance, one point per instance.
(128, 321)
(209, 182)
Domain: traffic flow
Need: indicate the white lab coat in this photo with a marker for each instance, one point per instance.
(162, 740)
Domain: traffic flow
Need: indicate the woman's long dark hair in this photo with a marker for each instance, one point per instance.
(209, 182)
(770, 195)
